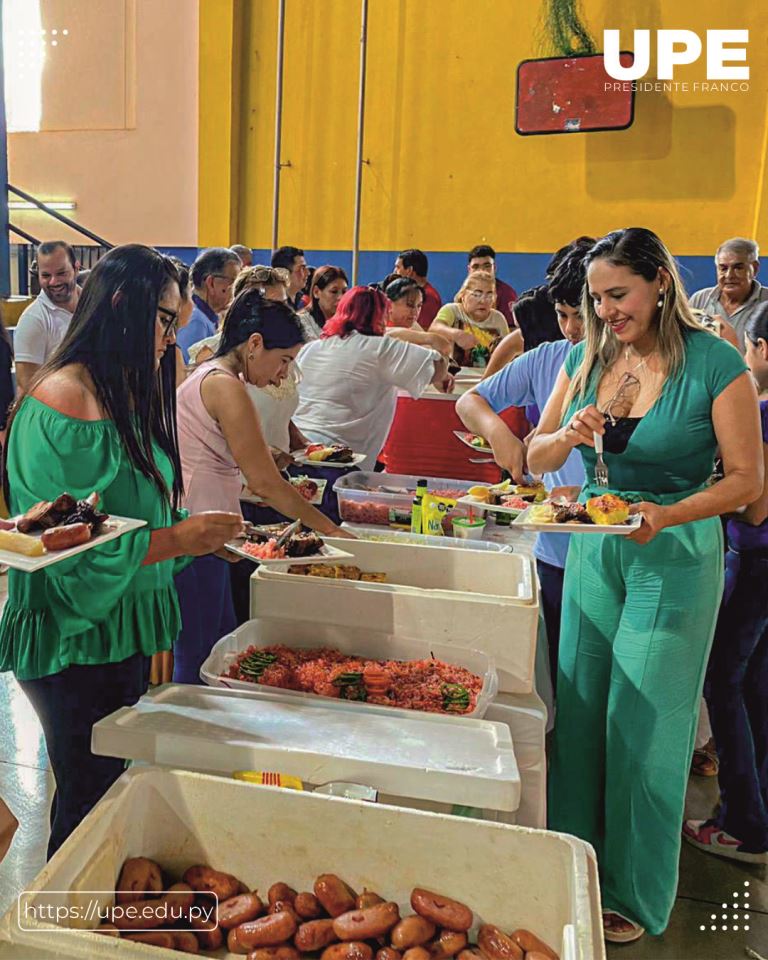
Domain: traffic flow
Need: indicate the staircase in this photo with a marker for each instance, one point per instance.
(23, 273)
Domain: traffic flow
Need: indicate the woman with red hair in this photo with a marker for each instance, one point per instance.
(351, 375)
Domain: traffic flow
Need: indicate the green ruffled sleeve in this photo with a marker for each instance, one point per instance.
(180, 563)
(49, 454)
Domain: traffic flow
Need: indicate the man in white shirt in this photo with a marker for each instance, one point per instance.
(42, 326)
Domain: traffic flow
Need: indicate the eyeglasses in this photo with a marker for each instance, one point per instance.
(479, 295)
(228, 281)
(623, 399)
(171, 325)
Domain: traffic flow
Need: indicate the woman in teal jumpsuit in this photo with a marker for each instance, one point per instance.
(639, 611)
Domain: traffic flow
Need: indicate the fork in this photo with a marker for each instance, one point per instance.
(601, 471)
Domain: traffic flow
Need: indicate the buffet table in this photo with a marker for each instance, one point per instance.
(422, 440)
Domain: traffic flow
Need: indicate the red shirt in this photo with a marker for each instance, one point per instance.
(505, 298)
(431, 305)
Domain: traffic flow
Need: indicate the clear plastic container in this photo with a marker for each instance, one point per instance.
(382, 499)
(378, 535)
(360, 642)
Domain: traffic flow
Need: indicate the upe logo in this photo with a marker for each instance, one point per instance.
(675, 48)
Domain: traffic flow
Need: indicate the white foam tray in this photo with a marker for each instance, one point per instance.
(362, 642)
(420, 756)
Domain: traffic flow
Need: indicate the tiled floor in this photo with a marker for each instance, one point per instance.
(706, 883)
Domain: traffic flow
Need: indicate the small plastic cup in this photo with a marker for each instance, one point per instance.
(466, 529)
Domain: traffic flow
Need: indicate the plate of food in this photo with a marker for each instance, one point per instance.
(305, 545)
(54, 530)
(328, 455)
(505, 497)
(310, 488)
(604, 514)
(473, 440)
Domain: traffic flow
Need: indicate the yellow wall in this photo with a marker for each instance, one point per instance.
(124, 144)
(445, 165)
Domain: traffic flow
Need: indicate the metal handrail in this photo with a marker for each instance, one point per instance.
(27, 236)
(58, 216)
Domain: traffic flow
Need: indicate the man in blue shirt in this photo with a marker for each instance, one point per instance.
(530, 379)
(213, 277)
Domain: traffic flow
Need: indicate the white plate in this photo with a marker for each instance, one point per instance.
(462, 434)
(357, 459)
(113, 528)
(623, 529)
(327, 554)
(488, 507)
(250, 497)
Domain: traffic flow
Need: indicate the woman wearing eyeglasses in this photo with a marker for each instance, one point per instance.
(472, 323)
(101, 415)
(639, 611)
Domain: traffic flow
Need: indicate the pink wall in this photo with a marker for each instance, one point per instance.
(138, 180)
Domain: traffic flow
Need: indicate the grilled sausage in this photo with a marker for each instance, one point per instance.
(308, 906)
(354, 950)
(442, 911)
(412, 932)
(203, 878)
(315, 935)
(62, 538)
(280, 891)
(496, 945)
(240, 909)
(367, 924)
(532, 944)
(335, 895)
(448, 944)
(138, 878)
(270, 931)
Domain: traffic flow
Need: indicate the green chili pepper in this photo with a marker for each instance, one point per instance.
(349, 679)
(455, 697)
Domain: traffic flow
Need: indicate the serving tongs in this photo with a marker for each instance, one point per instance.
(268, 532)
(286, 535)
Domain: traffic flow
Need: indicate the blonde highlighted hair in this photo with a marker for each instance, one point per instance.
(260, 276)
(642, 252)
(484, 275)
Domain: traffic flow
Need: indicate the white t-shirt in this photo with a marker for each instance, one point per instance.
(348, 389)
(40, 330)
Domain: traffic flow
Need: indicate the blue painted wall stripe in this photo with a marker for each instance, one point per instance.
(446, 270)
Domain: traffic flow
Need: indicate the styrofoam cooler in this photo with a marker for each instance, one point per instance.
(524, 714)
(383, 535)
(509, 876)
(409, 757)
(356, 642)
(482, 601)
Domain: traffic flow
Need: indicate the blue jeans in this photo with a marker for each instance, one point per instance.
(736, 691)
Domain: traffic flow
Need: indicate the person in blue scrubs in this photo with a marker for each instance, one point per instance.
(530, 379)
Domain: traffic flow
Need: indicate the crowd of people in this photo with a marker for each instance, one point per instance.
(181, 394)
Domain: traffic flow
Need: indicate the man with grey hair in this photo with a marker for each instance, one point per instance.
(245, 253)
(737, 292)
(213, 277)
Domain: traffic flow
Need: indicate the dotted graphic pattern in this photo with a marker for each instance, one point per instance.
(739, 918)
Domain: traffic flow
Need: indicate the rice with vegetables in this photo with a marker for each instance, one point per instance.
(428, 685)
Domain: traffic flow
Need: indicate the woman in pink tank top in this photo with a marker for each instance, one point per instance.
(220, 437)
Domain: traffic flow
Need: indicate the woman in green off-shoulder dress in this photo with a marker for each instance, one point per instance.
(100, 416)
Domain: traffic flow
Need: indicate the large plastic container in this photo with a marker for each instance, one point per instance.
(379, 535)
(361, 642)
(410, 758)
(510, 876)
(358, 504)
(480, 601)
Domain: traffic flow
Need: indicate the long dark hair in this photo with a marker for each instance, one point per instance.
(251, 313)
(112, 334)
(757, 328)
(323, 277)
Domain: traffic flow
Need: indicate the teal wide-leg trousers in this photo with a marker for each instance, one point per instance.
(637, 626)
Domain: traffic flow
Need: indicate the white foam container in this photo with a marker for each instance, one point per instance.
(510, 876)
(409, 757)
(382, 535)
(351, 492)
(480, 601)
(361, 642)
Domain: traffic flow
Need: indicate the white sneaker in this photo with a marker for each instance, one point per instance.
(712, 839)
